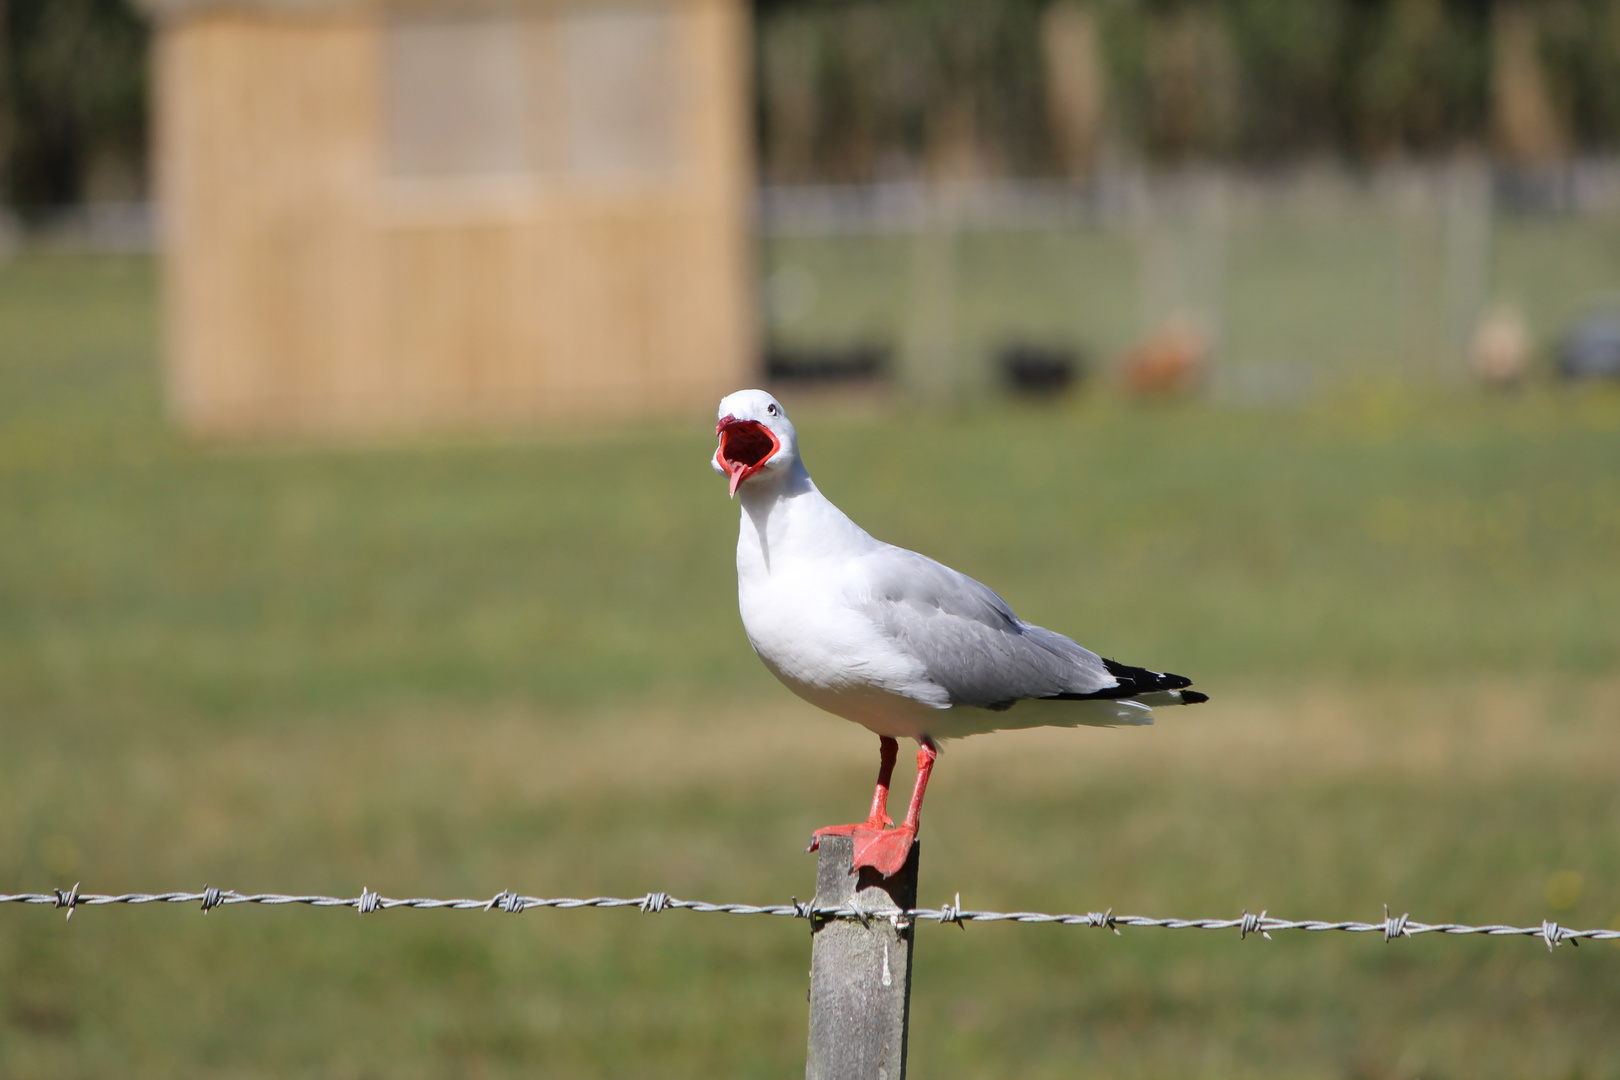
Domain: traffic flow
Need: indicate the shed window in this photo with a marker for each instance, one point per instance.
(589, 92)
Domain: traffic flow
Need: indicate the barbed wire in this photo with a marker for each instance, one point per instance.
(1391, 926)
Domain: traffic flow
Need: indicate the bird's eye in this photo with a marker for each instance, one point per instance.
(771, 409)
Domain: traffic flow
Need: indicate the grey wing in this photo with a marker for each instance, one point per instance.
(968, 639)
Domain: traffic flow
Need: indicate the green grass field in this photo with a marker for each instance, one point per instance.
(452, 667)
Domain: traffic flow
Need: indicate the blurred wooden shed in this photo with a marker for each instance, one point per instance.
(428, 214)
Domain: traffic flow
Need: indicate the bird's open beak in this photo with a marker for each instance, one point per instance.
(745, 447)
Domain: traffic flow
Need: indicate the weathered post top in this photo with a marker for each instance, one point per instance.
(860, 970)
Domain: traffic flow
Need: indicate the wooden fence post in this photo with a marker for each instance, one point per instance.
(860, 970)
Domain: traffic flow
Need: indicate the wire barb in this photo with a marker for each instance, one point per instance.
(211, 898)
(368, 902)
(1102, 919)
(654, 902)
(69, 899)
(1394, 928)
(506, 900)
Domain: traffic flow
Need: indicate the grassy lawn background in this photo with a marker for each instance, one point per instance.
(453, 667)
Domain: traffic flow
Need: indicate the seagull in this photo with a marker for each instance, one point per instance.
(892, 640)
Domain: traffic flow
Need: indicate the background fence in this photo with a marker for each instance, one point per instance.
(1301, 279)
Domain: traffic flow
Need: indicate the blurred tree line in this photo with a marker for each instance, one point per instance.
(72, 102)
(853, 90)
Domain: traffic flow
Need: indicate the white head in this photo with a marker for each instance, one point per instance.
(756, 438)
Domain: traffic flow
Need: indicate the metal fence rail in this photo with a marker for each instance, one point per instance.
(1390, 926)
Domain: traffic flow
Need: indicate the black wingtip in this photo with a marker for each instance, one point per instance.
(1133, 681)
(1141, 680)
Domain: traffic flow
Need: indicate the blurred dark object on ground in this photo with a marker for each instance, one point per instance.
(827, 365)
(1169, 361)
(1591, 348)
(1040, 371)
(1546, 189)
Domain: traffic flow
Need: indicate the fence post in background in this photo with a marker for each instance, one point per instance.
(860, 970)
(1468, 224)
(929, 365)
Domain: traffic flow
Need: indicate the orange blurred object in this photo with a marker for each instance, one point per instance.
(1171, 360)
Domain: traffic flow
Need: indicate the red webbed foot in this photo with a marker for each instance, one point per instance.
(884, 850)
(869, 826)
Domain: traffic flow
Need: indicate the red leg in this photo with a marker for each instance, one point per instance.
(886, 851)
(888, 751)
(927, 754)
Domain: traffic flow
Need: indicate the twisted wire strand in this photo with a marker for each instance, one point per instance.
(1391, 926)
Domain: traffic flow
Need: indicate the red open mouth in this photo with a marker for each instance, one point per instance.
(745, 447)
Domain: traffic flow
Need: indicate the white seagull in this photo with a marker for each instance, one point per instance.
(896, 642)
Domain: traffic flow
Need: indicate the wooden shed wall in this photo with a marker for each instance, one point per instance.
(308, 288)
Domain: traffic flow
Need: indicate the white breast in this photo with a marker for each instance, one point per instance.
(800, 583)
